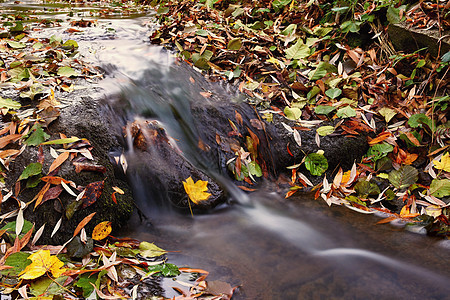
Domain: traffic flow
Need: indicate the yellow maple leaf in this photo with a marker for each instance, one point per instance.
(42, 262)
(196, 191)
(444, 164)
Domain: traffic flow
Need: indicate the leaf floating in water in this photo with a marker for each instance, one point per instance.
(92, 192)
(147, 249)
(196, 191)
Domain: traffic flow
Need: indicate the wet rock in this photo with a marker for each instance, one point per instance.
(409, 40)
(81, 118)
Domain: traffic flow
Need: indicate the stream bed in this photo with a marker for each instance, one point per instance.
(271, 247)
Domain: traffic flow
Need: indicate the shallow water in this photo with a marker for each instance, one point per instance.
(272, 248)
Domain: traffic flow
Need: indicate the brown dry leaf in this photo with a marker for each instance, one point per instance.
(381, 137)
(9, 139)
(83, 223)
(238, 117)
(92, 192)
(55, 180)
(9, 152)
(59, 161)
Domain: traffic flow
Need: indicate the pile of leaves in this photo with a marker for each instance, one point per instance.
(331, 62)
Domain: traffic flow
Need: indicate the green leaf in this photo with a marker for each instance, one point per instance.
(403, 177)
(350, 26)
(48, 286)
(147, 249)
(387, 113)
(440, 188)
(418, 120)
(292, 113)
(322, 69)
(316, 163)
(9, 103)
(69, 45)
(254, 169)
(67, 71)
(16, 45)
(31, 170)
(10, 228)
(346, 112)
(18, 261)
(298, 51)
(366, 188)
(84, 282)
(167, 270)
(325, 130)
(62, 141)
(162, 10)
(323, 109)
(37, 137)
(378, 151)
(234, 44)
(393, 15)
(333, 93)
(202, 32)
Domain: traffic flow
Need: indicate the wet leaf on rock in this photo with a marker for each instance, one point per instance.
(31, 170)
(325, 130)
(403, 177)
(316, 163)
(197, 191)
(166, 269)
(101, 230)
(92, 193)
(37, 137)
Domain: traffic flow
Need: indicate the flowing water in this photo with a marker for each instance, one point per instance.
(271, 247)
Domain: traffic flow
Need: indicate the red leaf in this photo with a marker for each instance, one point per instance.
(92, 192)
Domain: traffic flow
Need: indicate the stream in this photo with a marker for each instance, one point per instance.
(273, 248)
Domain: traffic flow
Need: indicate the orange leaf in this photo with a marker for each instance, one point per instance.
(113, 197)
(381, 137)
(412, 138)
(55, 180)
(101, 231)
(83, 223)
(387, 220)
(8, 139)
(41, 194)
(58, 161)
(290, 193)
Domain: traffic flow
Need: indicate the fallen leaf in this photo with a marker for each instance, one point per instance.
(83, 223)
(444, 163)
(42, 263)
(59, 161)
(101, 231)
(196, 191)
(92, 193)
